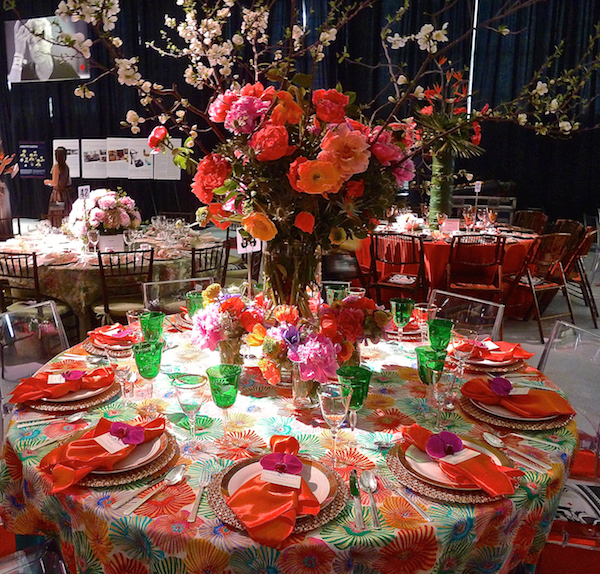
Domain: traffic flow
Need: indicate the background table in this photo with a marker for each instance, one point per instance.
(463, 538)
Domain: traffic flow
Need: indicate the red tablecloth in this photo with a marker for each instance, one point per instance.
(437, 253)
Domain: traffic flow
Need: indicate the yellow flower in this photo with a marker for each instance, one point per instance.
(211, 293)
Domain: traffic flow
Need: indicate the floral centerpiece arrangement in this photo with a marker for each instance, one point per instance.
(107, 211)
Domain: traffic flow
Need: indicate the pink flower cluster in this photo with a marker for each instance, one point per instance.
(208, 332)
(316, 357)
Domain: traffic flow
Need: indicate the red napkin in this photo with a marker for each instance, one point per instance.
(115, 334)
(536, 403)
(70, 462)
(268, 511)
(37, 387)
(478, 471)
(504, 352)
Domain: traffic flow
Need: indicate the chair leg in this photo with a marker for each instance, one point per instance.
(586, 291)
(566, 291)
(536, 306)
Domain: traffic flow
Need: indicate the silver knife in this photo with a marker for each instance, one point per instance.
(355, 492)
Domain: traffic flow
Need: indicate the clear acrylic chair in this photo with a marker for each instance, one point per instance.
(482, 316)
(169, 296)
(29, 338)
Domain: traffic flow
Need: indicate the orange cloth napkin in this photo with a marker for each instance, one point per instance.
(115, 334)
(268, 511)
(504, 352)
(478, 471)
(70, 462)
(37, 387)
(536, 403)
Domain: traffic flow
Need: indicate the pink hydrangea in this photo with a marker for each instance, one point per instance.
(136, 218)
(207, 331)
(317, 358)
(244, 114)
(97, 216)
(124, 218)
(127, 203)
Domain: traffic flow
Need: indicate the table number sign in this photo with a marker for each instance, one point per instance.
(247, 244)
(451, 225)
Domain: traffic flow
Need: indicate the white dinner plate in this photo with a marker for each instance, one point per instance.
(490, 363)
(319, 478)
(141, 454)
(79, 395)
(504, 413)
(428, 470)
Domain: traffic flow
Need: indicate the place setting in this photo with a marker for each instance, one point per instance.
(111, 341)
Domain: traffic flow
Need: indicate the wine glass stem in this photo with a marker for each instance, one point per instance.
(440, 408)
(192, 419)
(225, 422)
(352, 419)
(334, 451)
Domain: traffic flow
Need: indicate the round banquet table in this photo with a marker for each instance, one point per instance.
(493, 536)
(437, 253)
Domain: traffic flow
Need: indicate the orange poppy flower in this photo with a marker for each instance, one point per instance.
(270, 371)
(305, 221)
(259, 226)
(286, 314)
(233, 305)
(346, 351)
(318, 177)
(257, 336)
(286, 110)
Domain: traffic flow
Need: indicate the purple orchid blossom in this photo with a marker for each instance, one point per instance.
(501, 386)
(443, 444)
(129, 434)
(291, 336)
(282, 463)
(73, 375)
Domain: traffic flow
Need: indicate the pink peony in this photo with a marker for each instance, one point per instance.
(218, 110)
(244, 114)
(207, 331)
(108, 201)
(317, 358)
(127, 203)
(124, 218)
(137, 218)
(347, 149)
(97, 216)
(404, 172)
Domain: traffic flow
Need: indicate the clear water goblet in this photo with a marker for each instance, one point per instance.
(191, 391)
(334, 400)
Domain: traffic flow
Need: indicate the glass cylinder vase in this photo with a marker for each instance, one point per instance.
(229, 351)
(304, 393)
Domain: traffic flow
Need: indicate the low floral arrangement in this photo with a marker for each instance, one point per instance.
(107, 211)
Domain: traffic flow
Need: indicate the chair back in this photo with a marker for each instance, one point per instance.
(122, 273)
(484, 317)
(19, 279)
(169, 296)
(210, 261)
(476, 261)
(7, 227)
(571, 358)
(530, 219)
(29, 338)
(574, 228)
(548, 254)
(341, 265)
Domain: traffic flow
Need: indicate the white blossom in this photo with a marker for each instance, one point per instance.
(117, 42)
(327, 37)
(565, 126)
(419, 92)
(540, 89)
(170, 22)
(297, 35)
(237, 40)
(401, 80)
(396, 41)
(127, 73)
(522, 119)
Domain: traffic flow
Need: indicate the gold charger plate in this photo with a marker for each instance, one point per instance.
(397, 465)
(156, 466)
(92, 349)
(303, 524)
(470, 408)
(508, 368)
(75, 406)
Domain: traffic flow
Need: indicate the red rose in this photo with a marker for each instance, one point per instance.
(155, 139)
(331, 105)
(293, 172)
(305, 221)
(329, 327)
(355, 189)
(350, 323)
(271, 143)
(212, 172)
(363, 303)
(219, 216)
(476, 137)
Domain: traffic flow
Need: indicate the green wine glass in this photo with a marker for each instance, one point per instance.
(148, 356)
(224, 380)
(402, 309)
(358, 378)
(152, 325)
(440, 333)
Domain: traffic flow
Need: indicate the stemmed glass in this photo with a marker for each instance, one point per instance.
(148, 356)
(128, 238)
(422, 313)
(402, 309)
(122, 373)
(441, 219)
(224, 381)
(467, 214)
(334, 399)
(358, 378)
(425, 355)
(492, 215)
(441, 383)
(94, 238)
(192, 394)
(440, 332)
(463, 346)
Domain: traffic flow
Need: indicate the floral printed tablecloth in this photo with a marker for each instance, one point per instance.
(157, 539)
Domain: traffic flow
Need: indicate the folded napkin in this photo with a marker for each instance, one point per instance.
(37, 387)
(115, 334)
(504, 352)
(478, 471)
(268, 511)
(536, 403)
(70, 462)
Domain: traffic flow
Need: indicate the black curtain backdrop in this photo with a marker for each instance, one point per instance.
(559, 176)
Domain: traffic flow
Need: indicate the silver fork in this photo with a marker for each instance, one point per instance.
(203, 482)
(389, 484)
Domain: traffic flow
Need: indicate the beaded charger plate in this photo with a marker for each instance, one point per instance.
(156, 466)
(180, 320)
(74, 406)
(92, 349)
(469, 407)
(216, 500)
(397, 464)
(489, 367)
